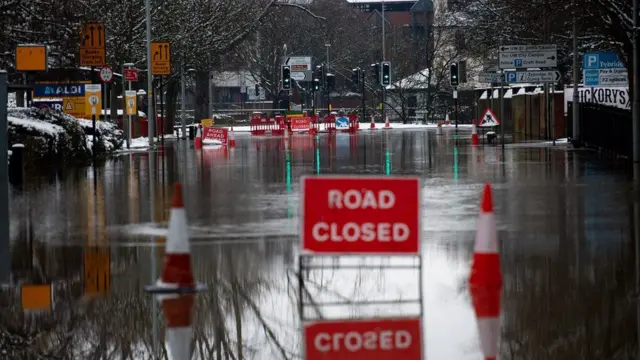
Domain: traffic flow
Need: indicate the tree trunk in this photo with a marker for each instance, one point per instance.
(201, 105)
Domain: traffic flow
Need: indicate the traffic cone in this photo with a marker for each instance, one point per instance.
(475, 141)
(447, 121)
(232, 138)
(198, 141)
(373, 124)
(177, 274)
(439, 128)
(386, 122)
(485, 282)
(178, 312)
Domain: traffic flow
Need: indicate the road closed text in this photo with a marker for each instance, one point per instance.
(380, 339)
(380, 216)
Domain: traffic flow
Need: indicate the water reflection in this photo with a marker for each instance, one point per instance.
(564, 223)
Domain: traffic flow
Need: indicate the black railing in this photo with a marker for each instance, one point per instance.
(604, 127)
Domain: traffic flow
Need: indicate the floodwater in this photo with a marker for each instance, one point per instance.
(564, 219)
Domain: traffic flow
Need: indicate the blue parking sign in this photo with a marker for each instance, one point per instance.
(517, 63)
(511, 76)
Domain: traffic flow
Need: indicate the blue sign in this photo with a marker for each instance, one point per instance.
(56, 105)
(342, 122)
(58, 90)
(517, 63)
(601, 60)
(511, 76)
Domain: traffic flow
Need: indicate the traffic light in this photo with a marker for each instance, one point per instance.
(331, 82)
(316, 84)
(355, 78)
(286, 77)
(386, 73)
(319, 73)
(257, 90)
(375, 73)
(454, 74)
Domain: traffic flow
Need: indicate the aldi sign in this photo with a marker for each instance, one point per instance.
(58, 90)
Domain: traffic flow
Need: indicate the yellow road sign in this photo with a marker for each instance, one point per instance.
(206, 122)
(36, 297)
(74, 106)
(31, 58)
(92, 45)
(160, 58)
(97, 270)
(130, 100)
(93, 99)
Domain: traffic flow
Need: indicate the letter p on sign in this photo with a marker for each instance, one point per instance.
(592, 61)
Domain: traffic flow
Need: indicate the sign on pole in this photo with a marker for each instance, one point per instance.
(31, 58)
(93, 99)
(160, 58)
(528, 56)
(97, 270)
(106, 74)
(131, 75)
(130, 98)
(489, 77)
(361, 215)
(300, 67)
(489, 119)
(532, 76)
(604, 69)
(92, 45)
(380, 339)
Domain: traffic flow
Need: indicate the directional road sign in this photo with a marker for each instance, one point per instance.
(528, 56)
(604, 69)
(300, 67)
(131, 75)
(92, 45)
(160, 58)
(533, 77)
(489, 77)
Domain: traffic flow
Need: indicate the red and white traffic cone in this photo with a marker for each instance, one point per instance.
(386, 122)
(177, 274)
(485, 282)
(178, 311)
(475, 141)
(447, 121)
(439, 128)
(197, 143)
(373, 124)
(232, 138)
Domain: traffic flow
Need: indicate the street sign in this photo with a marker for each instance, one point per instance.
(130, 98)
(160, 58)
(31, 58)
(361, 215)
(489, 77)
(533, 77)
(36, 297)
(93, 99)
(131, 75)
(489, 119)
(92, 45)
(106, 74)
(528, 56)
(300, 67)
(97, 270)
(604, 69)
(74, 106)
(58, 90)
(380, 339)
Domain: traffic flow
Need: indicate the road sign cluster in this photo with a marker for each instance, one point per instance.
(604, 69)
(525, 64)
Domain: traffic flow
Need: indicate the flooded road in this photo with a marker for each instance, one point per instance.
(565, 221)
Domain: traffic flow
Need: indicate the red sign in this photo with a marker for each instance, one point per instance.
(361, 215)
(218, 134)
(300, 123)
(131, 75)
(379, 339)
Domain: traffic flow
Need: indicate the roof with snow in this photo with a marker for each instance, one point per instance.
(417, 81)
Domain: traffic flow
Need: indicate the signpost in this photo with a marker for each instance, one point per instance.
(92, 45)
(604, 69)
(361, 215)
(161, 59)
(532, 76)
(92, 96)
(380, 339)
(489, 77)
(300, 67)
(31, 58)
(528, 56)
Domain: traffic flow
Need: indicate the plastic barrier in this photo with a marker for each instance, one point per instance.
(261, 126)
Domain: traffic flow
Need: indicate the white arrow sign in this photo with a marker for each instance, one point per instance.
(301, 75)
(528, 56)
(534, 77)
(489, 77)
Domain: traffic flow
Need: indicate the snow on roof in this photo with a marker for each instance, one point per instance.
(417, 81)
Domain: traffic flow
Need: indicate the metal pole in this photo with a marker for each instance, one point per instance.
(210, 95)
(325, 83)
(455, 106)
(150, 112)
(125, 124)
(161, 112)
(576, 76)
(636, 85)
(5, 258)
(182, 104)
(502, 122)
(364, 104)
(384, 56)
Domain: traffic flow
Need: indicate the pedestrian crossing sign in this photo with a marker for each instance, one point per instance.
(489, 119)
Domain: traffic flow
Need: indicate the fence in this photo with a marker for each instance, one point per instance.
(604, 127)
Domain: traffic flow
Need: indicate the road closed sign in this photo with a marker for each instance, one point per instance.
(360, 215)
(379, 339)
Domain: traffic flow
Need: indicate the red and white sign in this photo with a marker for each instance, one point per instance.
(489, 119)
(106, 74)
(379, 339)
(218, 134)
(300, 124)
(361, 215)
(131, 75)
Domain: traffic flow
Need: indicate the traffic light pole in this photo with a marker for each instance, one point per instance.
(363, 76)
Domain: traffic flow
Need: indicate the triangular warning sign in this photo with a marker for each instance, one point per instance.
(69, 106)
(489, 119)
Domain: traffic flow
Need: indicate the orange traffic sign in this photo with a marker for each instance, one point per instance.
(160, 58)
(97, 270)
(36, 297)
(31, 58)
(92, 45)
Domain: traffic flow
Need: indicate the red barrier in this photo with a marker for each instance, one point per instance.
(262, 126)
